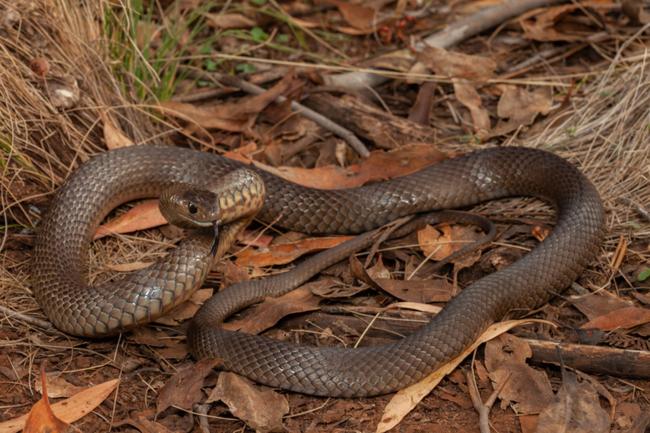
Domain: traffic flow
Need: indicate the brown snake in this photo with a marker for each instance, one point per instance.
(112, 178)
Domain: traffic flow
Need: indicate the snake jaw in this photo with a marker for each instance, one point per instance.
(215, 238)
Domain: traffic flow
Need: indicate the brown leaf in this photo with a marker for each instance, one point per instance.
(57, 386)
(458, 65)
(357, 15)
(438, 246)
(187, 309)
(259, 407)
(184, 388)
(635, 11)
(403, 402)
(468, 96)
(234, 117)
(420, 291)
(528, 389)
(229, 21)
(281, 254)
(623, 318)
(143, 216)
(544, 24)
(269, 312)
(71, 409)
(421, 109)
(598, 304)
(575, 409)
(113, 135)
(41, 418)
(521, 107)
(140, 421)
(380, 165)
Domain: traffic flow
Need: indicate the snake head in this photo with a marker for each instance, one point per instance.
(190, 207)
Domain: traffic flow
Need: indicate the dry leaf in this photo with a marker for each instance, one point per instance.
(143, 216)
(184, 388)
(71, 409)
(140, 421)
(269, 312)
(113, 135)
(234, 117)
(405, 400)
(259, 407)
(57, 386)
(521, 107)
(636, 11)
(41, 418)
(575, 409)
(229, 21)
(543, 24)
(598, 304)
(458, 65)
(468, 96)
(438, 246)
(357, 15)
(623, 318)
(281, 254)
(529, 390)
(187, 309)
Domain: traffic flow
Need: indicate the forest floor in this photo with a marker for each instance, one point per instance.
(80, 78)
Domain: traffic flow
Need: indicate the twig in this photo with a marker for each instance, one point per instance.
(452, 35)
(483, 409)
(9, 313)
(645, 213)
(323, 121)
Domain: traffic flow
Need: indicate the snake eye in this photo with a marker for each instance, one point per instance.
(191, 207)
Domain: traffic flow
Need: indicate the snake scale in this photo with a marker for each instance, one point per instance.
(109, 179)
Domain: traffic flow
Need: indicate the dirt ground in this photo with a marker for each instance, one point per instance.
(80, 78)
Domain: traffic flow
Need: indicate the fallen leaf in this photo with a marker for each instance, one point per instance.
(598, 304)
(269, 312)
(140, 421)
(281, 254)
(187, 309)
(41, 418)
(57, 386)
(468, 96)
(520, 107)
(229, 21)
(421, 109)
(143, 216)
(357, 15)
(234, 117)
(458, 65)
(259, 407)
(184, 388)
(575, 409)
(128, 267)
(527, 389)
(114, 137)
(440, 244)
(63, 92)
(623, 318)
(544, 24)
(380, 165)
(71, 409)
(405, 400)
(636, 11)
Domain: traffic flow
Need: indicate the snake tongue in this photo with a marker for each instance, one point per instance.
(215, 239)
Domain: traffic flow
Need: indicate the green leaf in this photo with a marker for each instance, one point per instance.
(245, 68)
(282, 38)
(258, 2)
(210, 65)
(258, 34)
(643, 275)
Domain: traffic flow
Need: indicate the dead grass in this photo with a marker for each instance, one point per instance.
(606, 131)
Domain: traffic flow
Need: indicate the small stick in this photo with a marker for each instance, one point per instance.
(323, 121)
(9, 313)
(483, 409)
(456, 32)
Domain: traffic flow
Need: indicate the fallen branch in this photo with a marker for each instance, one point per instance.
(593, 359)
(321, 120)
(452, 35)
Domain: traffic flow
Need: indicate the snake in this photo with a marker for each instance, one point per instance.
(61, 250)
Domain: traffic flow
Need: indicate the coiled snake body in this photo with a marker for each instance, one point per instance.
(112, 178)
